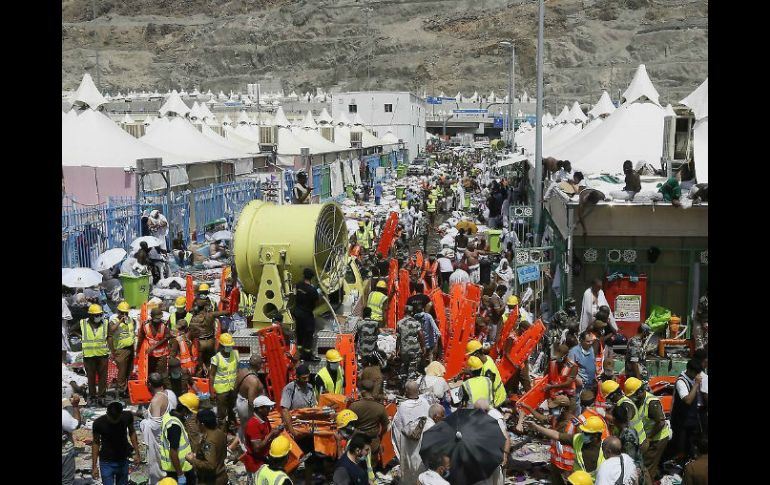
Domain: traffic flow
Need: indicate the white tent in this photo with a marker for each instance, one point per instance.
(576, 114)
(567, 141)
(358, 121)
(602, 107)
(559, 136)
(563, 116)
(633, 132)
(309, 123)
(226, 121)
(342, 135)
(280, 118)
(341, 119)
(245, 144)
(195, 113)
(459, 97)
(315, 142)
(292, 96)
(178, 135)
(389, 138)
(243, 118)
(226, 142)
(698, 101)
(87, 94)
(92, 139)
(174, 104)
(367, 139)
(491, 97)
(548, 119)
(325, 118)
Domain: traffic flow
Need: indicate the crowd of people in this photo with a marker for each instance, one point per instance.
(602, 428)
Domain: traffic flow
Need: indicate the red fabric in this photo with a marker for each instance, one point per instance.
(255, 430)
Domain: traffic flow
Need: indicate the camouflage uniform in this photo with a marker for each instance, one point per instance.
(367, 332)
(408, 329)
(635, 353)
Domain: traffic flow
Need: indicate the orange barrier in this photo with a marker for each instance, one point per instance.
(437, 297)
(275, 361)
(403, 292)
(386, 444)
(535, 396)
(520, 350)
(137, 388)
(455, 298)
(143, 314)
(392, 276)
(325, 442)
(189, 292)
(347, 348)
(508, 327)
(388, 235)
(454, 359)
(235, 300)
(392, 310)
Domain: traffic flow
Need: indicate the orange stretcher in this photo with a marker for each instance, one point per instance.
(386, 444)
(535, 396)
(189, 293)
(520, 350)
(388, 235)
(345, 344)
(403, 292)
(508, 327)
(462, 332)
(437, 297)
(276, 362)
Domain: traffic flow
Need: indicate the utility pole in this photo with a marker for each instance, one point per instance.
(369, 57)
(539, 130)
(93, 17)
(513, 90)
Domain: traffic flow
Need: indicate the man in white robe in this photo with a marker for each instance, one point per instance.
(593, 298)
(408, 425)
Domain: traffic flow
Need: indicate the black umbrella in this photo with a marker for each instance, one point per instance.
(471, 439)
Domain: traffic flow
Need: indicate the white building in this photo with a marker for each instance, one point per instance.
(400, 112)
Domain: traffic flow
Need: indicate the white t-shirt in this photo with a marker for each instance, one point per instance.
(431, 478)
(609, 471)
(704, 384)
(68, 423)
(494, 413)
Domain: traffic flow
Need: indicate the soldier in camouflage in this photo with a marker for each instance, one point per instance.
(636, 355)
(366, 333)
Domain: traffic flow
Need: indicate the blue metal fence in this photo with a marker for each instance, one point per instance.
(222, 201)
(84, 236)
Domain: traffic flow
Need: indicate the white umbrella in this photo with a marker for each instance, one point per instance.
(81, 278)
(109, 258)
(150, 240)
(222, 236)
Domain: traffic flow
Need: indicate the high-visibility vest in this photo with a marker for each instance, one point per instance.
(556, 376)
(363, 238)
(165, 445)
(587, 413)
(126, 334)
(649, 423)
(577, 444)
(376, 302)
(153, 339)
(188, 354)
(268, 476)
(635, 420)
(334, 387)
(431, 205)
(497, 382)
(187, 317)
(479, 387)
(224, 380)
(94, 341)
(563, 456)
(246, 305)
(370, 229)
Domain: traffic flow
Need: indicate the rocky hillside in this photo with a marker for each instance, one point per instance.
(420, 45)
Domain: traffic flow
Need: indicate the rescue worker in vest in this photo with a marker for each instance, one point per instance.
(562, 373)
(632, 384)
(477, 386)
(431, 207)
(121, 341)
(208, 457)
(489, 370)
(588, 408)
(587, 444)
(94, 332)
(190, 421)
(175, 446)
(207, 328)
(330, 378)
(378, 301)
(369, 223)
(184, 347)
(521, 375)
(271, 473)
(656, 427)
(561, 419)
(510, 306)
(224, 366)
(604, 334)
(629, 441)
(362, 236)
(351, 467)
(203, 294)
(180, 312)
(347, 423)
(157, 334)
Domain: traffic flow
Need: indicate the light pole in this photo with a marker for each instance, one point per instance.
(539, 130)
(510, 124)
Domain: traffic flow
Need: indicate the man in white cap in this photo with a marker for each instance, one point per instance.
(259, 434)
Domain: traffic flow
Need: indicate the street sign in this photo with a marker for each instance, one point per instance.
(470, 111)
(498, 122)
(528, 273)
(433, 100)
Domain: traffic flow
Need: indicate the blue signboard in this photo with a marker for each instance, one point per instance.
(531, 120)
(470, 111)
(527, 274)
(433, 100)
(498, 122)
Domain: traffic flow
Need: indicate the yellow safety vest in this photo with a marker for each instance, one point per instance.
(479, 387)
(404, 204)
(165, 446)
(224, 380)
(577, 445)
(636, 420)
(267, 476)
(94, 341)
(431, 205)
(363, 238)
(376, 302)
(126, 334)
(188, 316)
(246, 306)
(649, 423)
(497, 383)
(337, 387)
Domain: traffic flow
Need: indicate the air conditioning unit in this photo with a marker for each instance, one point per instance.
(149, 164)
(355, 139)
(328, 133)
(268, 135)
(677, 139)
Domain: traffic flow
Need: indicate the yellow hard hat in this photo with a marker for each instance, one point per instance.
(167, 481)
(608, 387)
(190, 401)
(474, 363)
(280, 447)
(333, 355)
(203, 287)
(512, 300)
(361, 224)
(593, 424)
(472, 347)
(123, 306)
(368, 214)
(95, 309)
(180, 301)
(382, 284)
(226, 339)
(580, 477)
(345, 417)
(631, 386)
